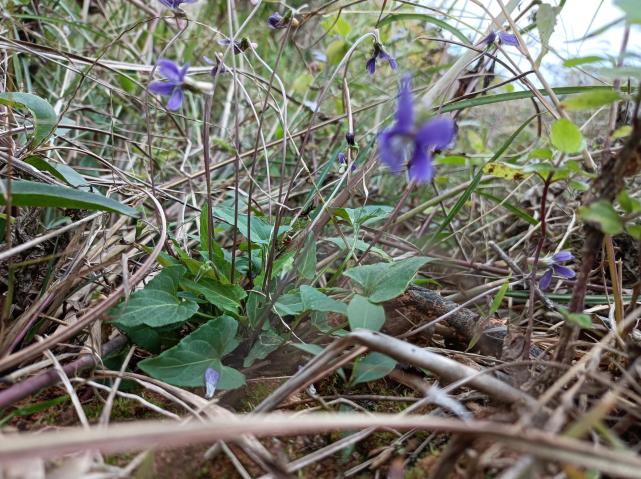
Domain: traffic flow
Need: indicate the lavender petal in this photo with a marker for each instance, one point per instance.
(546, 279)
(436, 133)
(563, 271)
(211, 381)
(175, 100)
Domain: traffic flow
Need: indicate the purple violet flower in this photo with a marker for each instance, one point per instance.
(211, 380)
(555, 268)
(380, 54)
(403, 141)
(173, 84)
(504, 39)
(276, 21)
(175, 4)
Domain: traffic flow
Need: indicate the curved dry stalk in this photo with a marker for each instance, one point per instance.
(143, 434)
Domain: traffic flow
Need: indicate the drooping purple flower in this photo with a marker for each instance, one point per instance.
(175, 4)
(404, 142)
(211, 381)
(276, 21)
(342, 160)
(555, 268)
(349, 138)
(238, 46)
(173, 84)
(505, 38)
(217, 68)
(380, 54)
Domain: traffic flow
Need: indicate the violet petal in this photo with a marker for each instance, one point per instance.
(561, 257)
(161, 87)
(175, 100)
(421, 169)
(546, 279)
(436, 133)
(508, 39)
(211, 381)
(170, 70)
(563, 271)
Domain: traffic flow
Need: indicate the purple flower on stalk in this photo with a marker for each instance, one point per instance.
(342, 160)
(276, 21)
(211, 380)
(380, 54)
(217, 66)
(175, 4)
(173, 84)
(504, 39)
(555, 268)
(403, 141)
(238, 46)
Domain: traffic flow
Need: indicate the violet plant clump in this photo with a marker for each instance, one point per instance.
(173, 85)
(555, 268)
(404, 142)
(380, 54)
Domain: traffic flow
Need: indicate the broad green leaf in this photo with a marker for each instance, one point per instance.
(385, 281)
(289, 304)
(185, 364)
(566, 136)
(634, 231)
(31, 193)
(153, 340)
(156, 305)
(267, 342)
(307, 268)
(363, 314)
(573, 62)
(622, 132)
(545, 22)
(371, 367)
(629, 204)
(338, 25)
(336, 51)
(44, 116)
(154, 308)
(59, 170)
(366, 215)
(425, 18)
(632, 9)
(352, 243)
(591, 99)
(603, 214)
(314, 300)
(504, 170)
(260, 231)
(226, 297)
